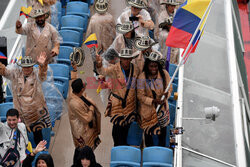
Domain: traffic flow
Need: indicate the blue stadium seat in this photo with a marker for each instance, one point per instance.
(172, 68)
(8, 97)
(59, 6)
(46, 136)
(34, 161)
(125, 156)
(134, 134)
(157, 156)
(73, 22)
(172, 109)
(4, 107)
(64, 53)
(59, 87)
(70, 38)
(78, 8)
(61, 76)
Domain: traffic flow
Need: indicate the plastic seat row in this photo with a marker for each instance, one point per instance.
(131, 157)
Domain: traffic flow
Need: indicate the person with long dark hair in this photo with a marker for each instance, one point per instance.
(151, 85)
(84, 157)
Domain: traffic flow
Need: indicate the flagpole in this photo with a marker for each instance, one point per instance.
(185, 53)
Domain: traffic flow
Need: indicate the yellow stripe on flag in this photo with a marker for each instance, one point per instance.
(41, 1)
(92, 37)
(26, 10)
(197, 7)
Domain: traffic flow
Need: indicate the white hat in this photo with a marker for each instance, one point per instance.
(125, 27)
(144, 42)
(169, 2)
(126, 53)
(40, 12)
(155, 56)
(137, 3)
(26, 61)
(101, 6)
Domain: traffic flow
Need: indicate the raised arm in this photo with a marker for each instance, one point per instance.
(101, 70)
(20, 29)
(43, 66)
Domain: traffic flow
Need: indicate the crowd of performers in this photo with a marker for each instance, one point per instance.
(131, 63)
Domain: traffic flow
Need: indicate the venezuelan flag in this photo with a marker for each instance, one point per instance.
(91, 41)
(185, 22)
(25, 11)
(2, 56)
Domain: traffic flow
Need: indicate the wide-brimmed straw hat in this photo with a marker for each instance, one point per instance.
(125, 27)
(144, 42)
(101, 6)
(155, 56)
(26, 61)
(137, 3)
(166, 21)
(169, 2)
(39, 12)
(127, 53)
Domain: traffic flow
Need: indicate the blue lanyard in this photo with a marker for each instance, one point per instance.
(124, 74)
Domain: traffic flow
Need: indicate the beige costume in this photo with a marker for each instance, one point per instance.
(103, 25)
(124, 17)
(162, 16)
(39, 41)
(118, 114)
(80, 115)
(28, 96)
(147, 111)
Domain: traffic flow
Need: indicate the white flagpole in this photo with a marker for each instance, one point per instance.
(185, 53)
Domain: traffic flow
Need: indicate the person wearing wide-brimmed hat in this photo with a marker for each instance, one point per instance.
(125, 37)
(168, 10)
(170, 54)
(102, 24)
(138, 15)
(145, 45)
(122, 105)
(46, 6)
(151, 85)
(41, 36)
(27, 93)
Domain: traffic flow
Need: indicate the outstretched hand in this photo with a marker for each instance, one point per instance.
(42, 58)
(73, 64)
(40, 147)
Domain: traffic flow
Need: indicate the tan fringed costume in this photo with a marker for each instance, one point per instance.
(80, 116)
(37, 41)
(28, 96)
(119, 115)
(148, 117)
(103, 25)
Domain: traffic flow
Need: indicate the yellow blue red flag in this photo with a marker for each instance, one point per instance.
(91, 41)
(185, 22)
(25, 11)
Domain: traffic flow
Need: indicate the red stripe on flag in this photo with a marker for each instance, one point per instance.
(178, 38)
(21, 13)
(91, 45)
